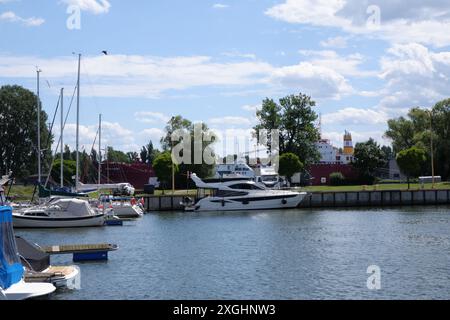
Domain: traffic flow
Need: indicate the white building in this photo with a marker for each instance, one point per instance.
(329, 154)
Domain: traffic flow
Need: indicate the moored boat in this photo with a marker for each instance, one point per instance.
(59, 213)
(240, 195)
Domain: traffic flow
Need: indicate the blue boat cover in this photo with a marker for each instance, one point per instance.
(11, 270)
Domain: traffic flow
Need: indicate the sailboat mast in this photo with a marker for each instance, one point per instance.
(77, 175)
(99, 149)
(38, 71)
(62, 138)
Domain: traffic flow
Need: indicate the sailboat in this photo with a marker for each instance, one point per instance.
(62, 212)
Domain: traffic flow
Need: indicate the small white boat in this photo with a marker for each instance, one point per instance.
(241, 195)
(24, 291)
(60, 213)
(12, 286)
(122, 207)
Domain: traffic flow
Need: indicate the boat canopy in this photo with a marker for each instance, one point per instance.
(11, 270)
(34, 256)
(76, 207)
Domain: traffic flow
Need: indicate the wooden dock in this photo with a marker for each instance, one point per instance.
(82, 248)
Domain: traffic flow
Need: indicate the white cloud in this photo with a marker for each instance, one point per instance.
(355, 116)
(336, 42)
(348, 65)
(151, 117)
(220, 6)
(415, 76)
(251, 108)
(10, 16)
(318, 81)
(425, 22)
(92, 6)
(237, 54)
(152, 77)
(153, 134)
(113, 134)
(230, 121)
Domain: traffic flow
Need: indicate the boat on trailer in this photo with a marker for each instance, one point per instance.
(240, 195)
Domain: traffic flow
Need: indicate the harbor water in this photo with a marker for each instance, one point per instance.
(292, 254)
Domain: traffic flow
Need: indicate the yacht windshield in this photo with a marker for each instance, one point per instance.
(245, 186)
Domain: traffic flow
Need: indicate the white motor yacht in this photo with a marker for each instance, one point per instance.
(240, 195)
(60, 213)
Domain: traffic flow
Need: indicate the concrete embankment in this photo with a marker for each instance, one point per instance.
(376, 198)
(333, 199)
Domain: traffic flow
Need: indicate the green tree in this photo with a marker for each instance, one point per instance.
(419, 128)
(337, 179)
(295, 119)
(67, 153)
(143, 154)
(117, 156)
(132, 156)
(179, 123)
(163, 168)
(289, 165)
(69, 171)
(411, 162)
(18, 132)
(149, 153)
(369, 158)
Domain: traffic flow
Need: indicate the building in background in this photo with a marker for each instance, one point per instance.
(330, 154)
(333, 159)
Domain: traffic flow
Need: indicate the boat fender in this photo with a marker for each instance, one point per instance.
(223, 203)
(133, 201)
(284, 201)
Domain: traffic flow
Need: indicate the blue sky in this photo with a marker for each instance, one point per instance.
(215, 61)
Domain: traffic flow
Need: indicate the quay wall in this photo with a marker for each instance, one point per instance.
(333, 199)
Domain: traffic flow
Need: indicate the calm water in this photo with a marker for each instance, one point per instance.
(295, 254)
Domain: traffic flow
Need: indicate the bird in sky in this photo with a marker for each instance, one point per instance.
(105, 52)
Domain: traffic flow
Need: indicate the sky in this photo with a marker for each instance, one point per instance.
(363, 62)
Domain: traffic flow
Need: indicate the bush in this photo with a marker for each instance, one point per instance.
(337, 179)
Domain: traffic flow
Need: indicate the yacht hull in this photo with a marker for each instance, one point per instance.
(249, 203)
(127, 211)
(20, 221)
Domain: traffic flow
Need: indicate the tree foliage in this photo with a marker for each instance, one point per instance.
(419, 128)
(183, 125)
(117, 156)
(18, 132)
(289, 165)
(411, 161)
(69, 171)
(295, 119)
(163, 168)
(369, 158)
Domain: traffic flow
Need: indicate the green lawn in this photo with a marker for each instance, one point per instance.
(20, 193)
(381, 187)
